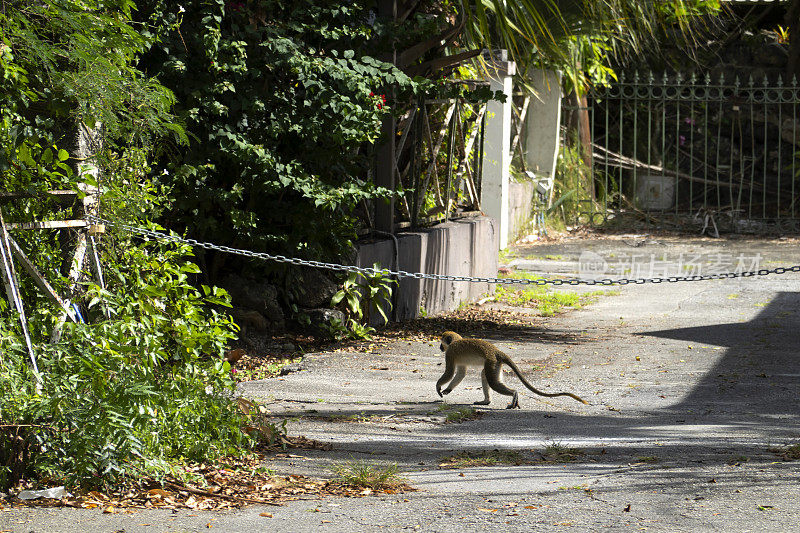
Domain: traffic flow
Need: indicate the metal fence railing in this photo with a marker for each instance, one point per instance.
(438, 160)
(694, 152)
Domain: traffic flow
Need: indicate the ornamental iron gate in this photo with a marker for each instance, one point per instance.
(693, 154)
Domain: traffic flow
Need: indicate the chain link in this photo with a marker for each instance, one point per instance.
(439, 277)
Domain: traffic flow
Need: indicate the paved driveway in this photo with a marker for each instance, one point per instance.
(693, 391)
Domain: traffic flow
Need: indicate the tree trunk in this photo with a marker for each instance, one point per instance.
(793, 22)
(384, 168)
(579, 132)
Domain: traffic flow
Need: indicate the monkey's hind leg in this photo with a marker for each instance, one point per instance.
(486, 399)
(493, 375)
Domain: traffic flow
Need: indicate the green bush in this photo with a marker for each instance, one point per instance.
(140, 384)
(146, 383)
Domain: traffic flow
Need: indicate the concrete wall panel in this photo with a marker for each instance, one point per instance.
(520, 206)
(467, 247)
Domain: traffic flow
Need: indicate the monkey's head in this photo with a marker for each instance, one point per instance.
(448, 337)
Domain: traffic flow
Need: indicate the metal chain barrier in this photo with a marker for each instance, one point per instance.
(439, 277)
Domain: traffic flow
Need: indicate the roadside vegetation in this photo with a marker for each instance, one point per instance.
(138, 382)
(557, 452)
(552, 453)
(543, 297)
(202, 113)
(788, 453)
(467, 459)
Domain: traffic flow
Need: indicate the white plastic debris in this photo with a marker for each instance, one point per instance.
(54, 492)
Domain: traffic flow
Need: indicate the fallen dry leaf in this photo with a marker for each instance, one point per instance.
(266, 515)
(222, 488)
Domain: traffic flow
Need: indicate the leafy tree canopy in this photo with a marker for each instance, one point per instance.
(283, 100)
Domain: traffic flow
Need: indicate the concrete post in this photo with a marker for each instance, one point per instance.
(542, 128)
(497, 145)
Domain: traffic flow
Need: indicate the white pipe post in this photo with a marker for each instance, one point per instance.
(497, 145)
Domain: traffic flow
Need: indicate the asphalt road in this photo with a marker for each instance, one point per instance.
(693, 391)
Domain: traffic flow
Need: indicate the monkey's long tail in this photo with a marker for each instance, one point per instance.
(533, 389)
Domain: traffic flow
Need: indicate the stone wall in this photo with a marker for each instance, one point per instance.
(466, 247)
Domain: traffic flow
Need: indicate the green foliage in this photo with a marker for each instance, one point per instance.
(281, 99)
(140, 382)
(677, 11)
(69, 61)
(360, 295)
(571, 184)
(590, 63)
(146, 383)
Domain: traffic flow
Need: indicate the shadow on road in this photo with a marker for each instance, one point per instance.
(747, 403)
(760, 369)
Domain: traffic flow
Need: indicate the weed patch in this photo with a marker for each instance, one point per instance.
(546, 300)
(364, 475)
(462, 415)
(456, 415)
(559, 453)
(788, 453)
(484, 458)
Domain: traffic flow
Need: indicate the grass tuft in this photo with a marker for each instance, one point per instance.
(484, 458)
(365, 475)
(559, 453)
(462, 414)
(788, 453)
(543, 298)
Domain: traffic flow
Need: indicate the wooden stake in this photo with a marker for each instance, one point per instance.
(75, 271)
(39, 280)
(12, 290)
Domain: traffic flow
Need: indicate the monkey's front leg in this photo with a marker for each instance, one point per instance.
(461, 371)
(449, 370)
